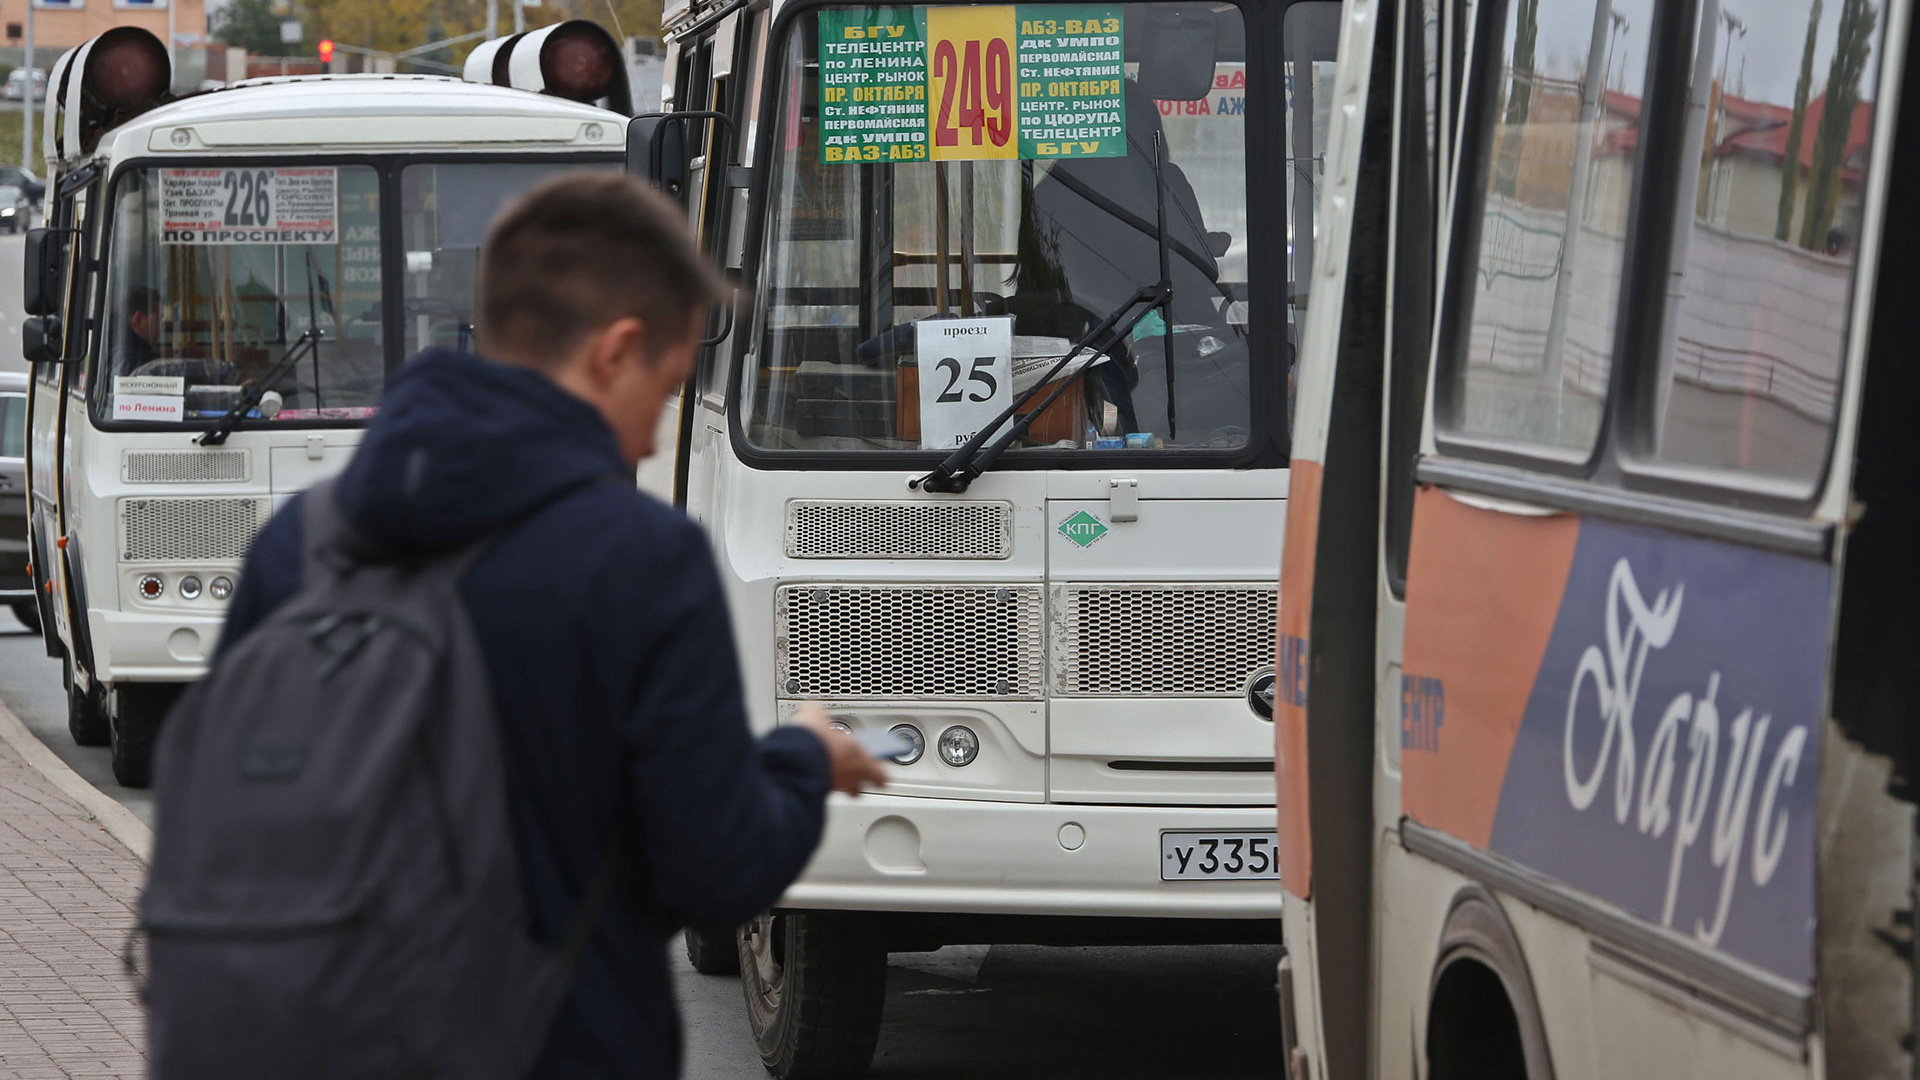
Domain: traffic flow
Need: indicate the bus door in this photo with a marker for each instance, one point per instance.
(1641, 769)
(714, 64)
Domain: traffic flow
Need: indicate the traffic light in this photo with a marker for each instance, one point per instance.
(326, 50)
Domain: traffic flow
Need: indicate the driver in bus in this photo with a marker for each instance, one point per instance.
(134, 349)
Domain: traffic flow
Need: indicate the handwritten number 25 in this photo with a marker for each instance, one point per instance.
(982, 373)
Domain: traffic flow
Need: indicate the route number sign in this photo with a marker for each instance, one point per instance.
(961, 83)
(250, 205)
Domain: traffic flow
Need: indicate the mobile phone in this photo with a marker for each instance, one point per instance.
(884, 745)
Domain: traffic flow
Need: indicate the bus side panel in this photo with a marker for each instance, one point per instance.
(1658, 750)
(1290, 678)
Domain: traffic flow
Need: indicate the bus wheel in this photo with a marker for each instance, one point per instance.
(138, 710)
(712, 955)
(28, 612)
(815, 984)
(86, 720)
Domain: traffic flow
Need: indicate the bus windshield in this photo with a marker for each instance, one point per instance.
(218, 271)
(959, 194)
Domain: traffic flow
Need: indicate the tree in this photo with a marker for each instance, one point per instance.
(1790, 163)
(1851, 50)
(1526, 32)
(250, 24)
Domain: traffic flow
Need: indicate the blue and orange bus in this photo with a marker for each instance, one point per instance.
(1594, 730)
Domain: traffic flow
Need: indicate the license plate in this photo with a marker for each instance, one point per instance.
(1198, 856)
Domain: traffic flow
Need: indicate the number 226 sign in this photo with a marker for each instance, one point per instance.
(250, 205)
(965, 377)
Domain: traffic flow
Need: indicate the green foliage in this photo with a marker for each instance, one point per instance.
(252, 25)
(1790, 164)
(1851, 51)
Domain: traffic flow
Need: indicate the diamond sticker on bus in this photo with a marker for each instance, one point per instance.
(902, 84)
(249, 205)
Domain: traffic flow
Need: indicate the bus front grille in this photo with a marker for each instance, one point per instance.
(183, 466)
(863, 642)
(175, 529)
(824, 529)
(1184, 640)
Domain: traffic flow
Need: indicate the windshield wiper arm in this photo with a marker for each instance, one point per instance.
(958, 472)
(217, 434)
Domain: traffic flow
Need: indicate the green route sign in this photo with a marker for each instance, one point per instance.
(961, 83)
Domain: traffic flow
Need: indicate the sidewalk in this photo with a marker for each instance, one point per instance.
(67, 1007)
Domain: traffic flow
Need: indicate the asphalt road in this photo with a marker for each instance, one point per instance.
(959, 1014)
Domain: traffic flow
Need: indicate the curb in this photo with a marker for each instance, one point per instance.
(119, 821)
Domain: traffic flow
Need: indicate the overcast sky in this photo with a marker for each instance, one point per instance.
(1770, 49)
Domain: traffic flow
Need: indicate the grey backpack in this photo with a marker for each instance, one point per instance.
(334, 891)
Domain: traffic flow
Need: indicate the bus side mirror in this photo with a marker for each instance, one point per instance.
(658, 149)
(40, 339)
(44, 271)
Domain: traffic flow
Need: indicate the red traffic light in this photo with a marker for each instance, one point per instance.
(326, 50)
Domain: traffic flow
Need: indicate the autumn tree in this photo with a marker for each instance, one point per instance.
(1790, 163)
(1526, 31)
(1851, 51)
(250, 24)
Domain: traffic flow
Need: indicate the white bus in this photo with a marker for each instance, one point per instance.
(993, 454)
(1597, 727)
(224, 285)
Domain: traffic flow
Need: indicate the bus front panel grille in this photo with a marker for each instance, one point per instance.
(183, 466)
(1185, 640)
(864, 642)
(172, 530)
(822, 529)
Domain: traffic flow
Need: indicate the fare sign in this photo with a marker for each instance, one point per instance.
(971, 83)
(249, 206)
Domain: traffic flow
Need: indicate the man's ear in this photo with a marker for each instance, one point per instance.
(609, 348)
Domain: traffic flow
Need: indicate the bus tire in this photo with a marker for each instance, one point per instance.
(138, 710)
(86, 721)
(28, 612)
(711, 955)
(815, 984)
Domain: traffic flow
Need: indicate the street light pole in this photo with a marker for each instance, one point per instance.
(519, 16)
(173, 68)
(26, 107)
(493, 20)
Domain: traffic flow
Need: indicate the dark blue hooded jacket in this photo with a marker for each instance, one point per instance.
(614, 676)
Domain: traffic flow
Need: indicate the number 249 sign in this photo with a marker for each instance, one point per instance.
(965, 377)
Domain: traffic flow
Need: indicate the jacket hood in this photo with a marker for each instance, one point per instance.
(463, 446)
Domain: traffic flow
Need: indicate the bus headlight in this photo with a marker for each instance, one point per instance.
(189, 588)
(220, 588)
(959, 746)
(912, 735)
(151, 586)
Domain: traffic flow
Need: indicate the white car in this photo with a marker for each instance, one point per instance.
(17, 82)
(16, 210)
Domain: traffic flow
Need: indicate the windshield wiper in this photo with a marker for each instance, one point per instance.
(308, 342)
(958, 472)
(217, 434)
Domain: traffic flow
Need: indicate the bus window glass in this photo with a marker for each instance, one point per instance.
(445, 211)
(13, 426)
(1552, 223)
(997, 166)
(217, 272)
(1750, 376)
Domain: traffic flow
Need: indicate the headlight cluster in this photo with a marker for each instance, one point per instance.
(189, 587)
(958, 746)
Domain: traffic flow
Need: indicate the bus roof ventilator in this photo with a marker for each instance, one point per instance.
(102, 84)
(576, 60)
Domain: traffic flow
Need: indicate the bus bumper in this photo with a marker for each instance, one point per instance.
(158, 647)
(897, 854)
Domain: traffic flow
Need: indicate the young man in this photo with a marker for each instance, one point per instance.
(598, 609)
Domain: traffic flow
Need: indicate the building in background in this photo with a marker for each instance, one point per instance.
(59, 25)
